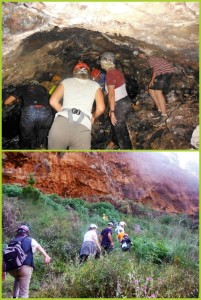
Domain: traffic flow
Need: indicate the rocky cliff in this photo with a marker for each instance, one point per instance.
(153, 179)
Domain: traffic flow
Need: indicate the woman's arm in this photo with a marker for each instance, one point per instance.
(42, 251)
(10, 100)
(100, 105)
(111, 98)
(56, 98)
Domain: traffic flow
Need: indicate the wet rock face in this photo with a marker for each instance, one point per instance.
(109, 177)
(41, 39)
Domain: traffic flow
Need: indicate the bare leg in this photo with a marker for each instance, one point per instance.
(161, 101)
(154, 97)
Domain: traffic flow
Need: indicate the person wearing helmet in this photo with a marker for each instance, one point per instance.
(22, 275)
(120, 104)
(36, 115)
(126, 243)
(162, 71)
(90, 245)
(72, 124)
(106, 238)
(98, 76)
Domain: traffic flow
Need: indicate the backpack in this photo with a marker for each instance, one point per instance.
(124, 246)
(13, 255)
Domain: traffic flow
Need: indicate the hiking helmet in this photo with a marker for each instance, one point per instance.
(81, 68)
(107, 61)
(23, 229)
(95, 73)
(108, 56)
(92, 226)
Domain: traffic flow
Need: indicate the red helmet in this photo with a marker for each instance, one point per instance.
(82, 67)
(95, 73)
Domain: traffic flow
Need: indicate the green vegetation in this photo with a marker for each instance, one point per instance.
(162, 263)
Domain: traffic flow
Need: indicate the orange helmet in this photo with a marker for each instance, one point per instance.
(95, 73)
(81, 68)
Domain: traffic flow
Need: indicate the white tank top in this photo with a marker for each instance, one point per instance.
(79, 94)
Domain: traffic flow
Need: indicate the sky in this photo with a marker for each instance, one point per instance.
(185, 157)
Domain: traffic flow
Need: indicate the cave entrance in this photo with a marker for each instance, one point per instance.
(61, 50)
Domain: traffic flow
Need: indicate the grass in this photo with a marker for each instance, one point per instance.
(162, 263)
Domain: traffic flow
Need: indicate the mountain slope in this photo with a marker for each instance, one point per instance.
(149, 178)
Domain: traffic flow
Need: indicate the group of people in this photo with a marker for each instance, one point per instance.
(73, 100)
(18, 257)
(93, 244)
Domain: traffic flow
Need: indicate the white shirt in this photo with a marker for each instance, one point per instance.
(79, 94)
(117, 230)
(34, 245)
(90, 236)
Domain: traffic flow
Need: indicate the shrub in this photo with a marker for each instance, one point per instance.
(78, 205)
(11, 190)
(30, 193)
(150, 251)
(10, 215)
(31, 180)
(123, 206)
(167, 219)
(103, 208)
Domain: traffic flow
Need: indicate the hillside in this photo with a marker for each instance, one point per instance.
(162, 263)
(152, 179)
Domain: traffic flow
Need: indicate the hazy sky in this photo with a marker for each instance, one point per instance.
(185, 157)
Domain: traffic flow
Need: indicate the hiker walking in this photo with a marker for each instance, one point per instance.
(122, 224)
(90, 245)
(126, 243)
(120, 235)
(23, 273)
(106, 238)
(162, 71)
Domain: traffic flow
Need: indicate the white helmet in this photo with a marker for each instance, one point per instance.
(108, 56)
(92, 226)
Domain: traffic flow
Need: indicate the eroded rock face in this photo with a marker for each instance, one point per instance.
(149, 178)
(44, 38)
(49, 32)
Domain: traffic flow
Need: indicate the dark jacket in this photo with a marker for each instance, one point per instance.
(26, 246)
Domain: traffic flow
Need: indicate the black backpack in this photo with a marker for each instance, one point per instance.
(13, 255)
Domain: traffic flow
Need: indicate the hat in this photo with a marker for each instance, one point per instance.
(122, 223)
(110, 223)
(23, 228)
(95, 73)
(81, 68)
(92, 226)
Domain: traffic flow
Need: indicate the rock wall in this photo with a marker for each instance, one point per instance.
(149, 178)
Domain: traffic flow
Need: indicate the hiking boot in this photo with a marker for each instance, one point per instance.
(161, 122)
(155, 115)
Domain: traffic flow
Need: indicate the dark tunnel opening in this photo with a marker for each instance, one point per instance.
(61, 49)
